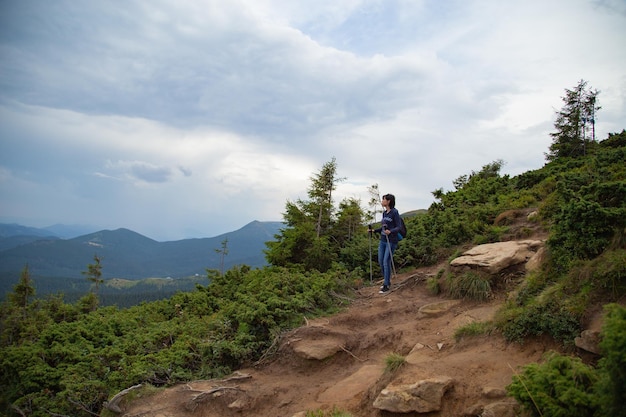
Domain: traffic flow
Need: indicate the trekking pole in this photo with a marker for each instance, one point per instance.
(393, 266)
(370, 233)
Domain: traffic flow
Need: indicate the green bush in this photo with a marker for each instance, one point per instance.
(613, 363)
(538, 319)
(565, 386)
(71, 366)
(560, 387)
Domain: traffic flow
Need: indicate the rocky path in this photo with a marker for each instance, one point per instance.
(339, 363)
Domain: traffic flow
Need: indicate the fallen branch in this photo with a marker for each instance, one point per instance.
(270, 350)
(352, 354)
(340, 296)
(236, 376)
(114, 404)
(193, 403)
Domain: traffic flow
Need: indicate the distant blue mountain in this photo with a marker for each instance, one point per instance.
(127, 254)
(65, 231)
(14, 235)
(12, 230)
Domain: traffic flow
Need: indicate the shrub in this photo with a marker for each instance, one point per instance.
(539, 319)
(560, 387)
(613, 365)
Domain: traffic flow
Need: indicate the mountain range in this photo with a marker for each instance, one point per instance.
(126, 254)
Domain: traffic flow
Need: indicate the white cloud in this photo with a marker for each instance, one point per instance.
(193, 118)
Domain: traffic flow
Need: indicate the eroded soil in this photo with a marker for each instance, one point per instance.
(361, 337)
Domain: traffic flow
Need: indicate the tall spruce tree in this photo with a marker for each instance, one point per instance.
(23, 290)
(312, 238)
(575, 123)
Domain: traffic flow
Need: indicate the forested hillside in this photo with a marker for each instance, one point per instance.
(135, 268)
(60, 358)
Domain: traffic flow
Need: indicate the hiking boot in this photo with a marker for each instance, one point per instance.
(383, 289)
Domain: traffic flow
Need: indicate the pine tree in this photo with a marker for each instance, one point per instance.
(94, 272)
(575, 123)
(23, 290)
(311, 238)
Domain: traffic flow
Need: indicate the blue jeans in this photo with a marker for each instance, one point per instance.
(385, 254)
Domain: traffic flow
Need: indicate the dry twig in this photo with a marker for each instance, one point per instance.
(352, 354)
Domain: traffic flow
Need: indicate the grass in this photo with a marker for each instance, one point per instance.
(394, 361)
(473, 329)
(470, 286)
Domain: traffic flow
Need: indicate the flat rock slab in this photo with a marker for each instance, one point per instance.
(318, 349)
(423, 396)
(494, 257)
(352, 386)
(438, 308)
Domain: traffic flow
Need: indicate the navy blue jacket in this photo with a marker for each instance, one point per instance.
(391, 221)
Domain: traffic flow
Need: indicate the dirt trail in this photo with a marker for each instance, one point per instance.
(362, 336)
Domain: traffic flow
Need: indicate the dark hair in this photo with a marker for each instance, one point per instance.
(392, 200)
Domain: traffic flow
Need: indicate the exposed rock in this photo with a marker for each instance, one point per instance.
(493, 392)
(437, 309)
(536, 260)
(319, 350)
(422, 397)
(501, 409)
(494, 257)
(238, 404)
(354, 385)
(589, 340)
(474, 411)
(416, 354)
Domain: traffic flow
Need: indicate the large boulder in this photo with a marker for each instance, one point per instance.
(422, 397)
(495, 257)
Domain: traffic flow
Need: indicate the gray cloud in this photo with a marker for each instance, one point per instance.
(125, 114)
(150, 173)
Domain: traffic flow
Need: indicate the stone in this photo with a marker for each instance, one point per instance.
(437, 308)
(589, 340)
(495, 257)
(422, 397)
(536, 260)
(238, 404)
(473, 411)
(501, 409)
(319, 350)
(353, 386)
(493, 392)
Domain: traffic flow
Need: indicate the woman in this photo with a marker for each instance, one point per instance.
(390, 225)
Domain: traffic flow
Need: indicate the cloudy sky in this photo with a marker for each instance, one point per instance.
(191, 118)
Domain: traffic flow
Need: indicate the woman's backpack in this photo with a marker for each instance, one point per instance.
(402, 231)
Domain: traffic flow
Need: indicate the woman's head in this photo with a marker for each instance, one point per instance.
(391, 200)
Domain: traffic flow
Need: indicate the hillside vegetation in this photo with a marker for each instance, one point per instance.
(59, 358)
